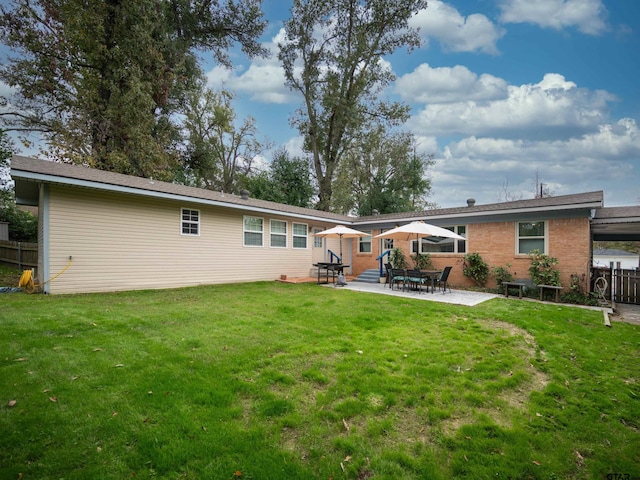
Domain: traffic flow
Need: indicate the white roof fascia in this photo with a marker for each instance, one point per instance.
(168, 196)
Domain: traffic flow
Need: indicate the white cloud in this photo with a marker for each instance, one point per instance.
(263, 81)
(449, 84)
(456, 32)
(589, 16)
(552, 104)
(480, 167)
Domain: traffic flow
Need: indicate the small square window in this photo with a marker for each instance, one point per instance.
(190, 221)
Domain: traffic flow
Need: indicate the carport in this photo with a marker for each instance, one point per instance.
(618, 224)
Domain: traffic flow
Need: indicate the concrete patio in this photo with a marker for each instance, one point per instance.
(458, 297)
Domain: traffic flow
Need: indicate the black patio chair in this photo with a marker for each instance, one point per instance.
(441, 281)
(415, 280)
(397, 276)
(388, 268)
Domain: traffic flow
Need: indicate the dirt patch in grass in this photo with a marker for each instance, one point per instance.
(508, 399)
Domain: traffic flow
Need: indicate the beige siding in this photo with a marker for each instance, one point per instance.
(123, 242)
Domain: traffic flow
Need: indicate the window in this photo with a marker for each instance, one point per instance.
(278, 233)
(300, 232)
(253, 231)
(317, 241)
(364, 243)
(531, 236)
(190, 222)
(443, 244)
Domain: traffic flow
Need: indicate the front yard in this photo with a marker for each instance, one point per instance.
(271, 381)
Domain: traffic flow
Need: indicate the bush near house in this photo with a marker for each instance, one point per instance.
(476, 268)
(543, 270)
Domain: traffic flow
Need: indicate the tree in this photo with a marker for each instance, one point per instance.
(219, 152)
(103, 80)
(23, 226)
(332, 55)
(287, 181)
(385, 174)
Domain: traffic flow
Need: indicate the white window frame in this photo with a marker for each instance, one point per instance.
(295, 235)
(317, 241)
(456, 242)
(278, 234)
(245, 231)
(544, 237)
(190, 222)
(368, 239)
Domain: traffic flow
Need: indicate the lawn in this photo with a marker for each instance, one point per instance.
(274, 381)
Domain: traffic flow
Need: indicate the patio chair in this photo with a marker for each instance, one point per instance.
(388, 268)
(441, 281)
(415, 279)
(397, 276)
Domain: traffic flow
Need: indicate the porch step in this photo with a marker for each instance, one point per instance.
(369, 276)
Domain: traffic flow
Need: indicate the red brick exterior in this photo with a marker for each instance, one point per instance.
(568, 240)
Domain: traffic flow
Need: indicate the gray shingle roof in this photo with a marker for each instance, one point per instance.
(30, 168)
(60, 171)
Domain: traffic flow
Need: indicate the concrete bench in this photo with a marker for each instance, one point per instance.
(555, 288)
(519, 285)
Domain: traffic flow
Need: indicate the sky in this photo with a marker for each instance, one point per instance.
(504, 93)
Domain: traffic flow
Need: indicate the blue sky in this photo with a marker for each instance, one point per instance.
(501, 91)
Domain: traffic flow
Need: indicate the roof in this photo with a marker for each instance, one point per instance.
(584, 202)
(616, 224)
(613, 252)
(30, 170)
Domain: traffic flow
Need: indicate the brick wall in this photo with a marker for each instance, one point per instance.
(568, 241)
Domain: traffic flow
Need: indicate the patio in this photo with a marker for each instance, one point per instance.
(458, 297)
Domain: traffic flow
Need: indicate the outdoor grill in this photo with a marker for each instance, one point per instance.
(328, 268)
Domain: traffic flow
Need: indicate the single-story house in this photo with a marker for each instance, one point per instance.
(120, 232)
(615, 258)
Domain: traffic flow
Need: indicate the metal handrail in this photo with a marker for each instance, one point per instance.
(332, 255)
(380, 257)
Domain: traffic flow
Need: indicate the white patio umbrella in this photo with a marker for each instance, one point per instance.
(418, 230)
(340, 231)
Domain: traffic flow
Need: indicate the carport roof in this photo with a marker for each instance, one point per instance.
(616, 224)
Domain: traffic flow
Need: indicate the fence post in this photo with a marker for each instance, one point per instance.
(19, 257)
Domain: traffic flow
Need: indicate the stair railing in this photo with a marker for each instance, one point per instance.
(380, 260)
(332, 256)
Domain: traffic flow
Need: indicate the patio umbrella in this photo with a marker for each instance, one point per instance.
(340, 231)
(418, 229)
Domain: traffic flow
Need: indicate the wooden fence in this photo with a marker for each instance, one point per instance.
(623, 286)
(20, 254)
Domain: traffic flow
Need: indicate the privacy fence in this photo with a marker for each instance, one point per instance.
(21, 254)
(623, 286)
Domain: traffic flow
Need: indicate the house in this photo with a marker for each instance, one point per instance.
(119, 232)
(615, 258)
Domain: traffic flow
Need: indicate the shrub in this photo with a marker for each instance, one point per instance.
(421, 261)
(397, 258)
(543, 270)
(502, 274)
(576, 294)
(476, 268)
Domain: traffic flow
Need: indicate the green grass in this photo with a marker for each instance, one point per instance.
(273, 381)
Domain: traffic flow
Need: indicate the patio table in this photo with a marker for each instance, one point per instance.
(431, 275)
